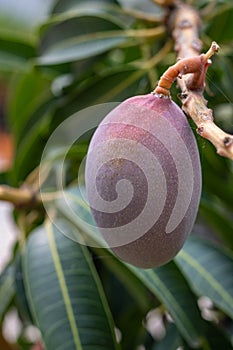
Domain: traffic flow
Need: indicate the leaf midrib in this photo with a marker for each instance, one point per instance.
(5, 287)
(62, 283)
(176, 306)
(207, 276)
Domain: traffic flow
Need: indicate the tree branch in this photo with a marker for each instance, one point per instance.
(27, 197)
(184, 23)
(20, 197)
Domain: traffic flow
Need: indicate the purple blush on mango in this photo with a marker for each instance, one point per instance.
(143, 180)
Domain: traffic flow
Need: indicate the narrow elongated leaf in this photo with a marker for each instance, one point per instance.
(64, 293)
(171, 341)
(168, 284)
(7, 288)
(68, 5)
(222, 23)
(21, 300)
(10, 62)
(114, 85)
(128, 304)
(30, 150)
(15, 54)
(28, 93)
(219, 221)
(79, 38)
(79, 214)
(213, 170)
(209, 270)
(146, 7)
(133, 284)
(94, 8)
(83, 47)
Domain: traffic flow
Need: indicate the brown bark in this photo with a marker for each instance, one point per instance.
(184, 23)
(20, 197)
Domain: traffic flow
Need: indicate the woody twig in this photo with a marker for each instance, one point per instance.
(184, 23)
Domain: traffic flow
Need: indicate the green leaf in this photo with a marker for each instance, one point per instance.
(217, 338)
(208, 269)
(68, 5)
(28, 92)
(7, 289)
(171, 288)
(171, 341)
(166, 283)
(150, 10)
(218, 220)
(104, 9)
(10, 62)
(15, 51)
(127, 305)
(128, 278)
(73, 207)
(79, 213)
(30, 108)
(79, 38)
(219, 80)
(215, 168)
(21, 300)
(29, 153)
(11, 34)
(129, 299)
(220, 27)
(114, 85)
(64, 292)
(83, 47)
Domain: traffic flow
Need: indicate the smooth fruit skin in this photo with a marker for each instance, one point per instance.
(148, 141)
